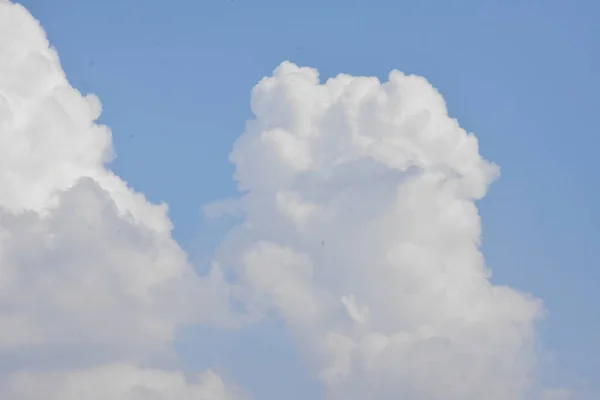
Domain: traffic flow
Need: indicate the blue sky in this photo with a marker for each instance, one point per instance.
(175, 79)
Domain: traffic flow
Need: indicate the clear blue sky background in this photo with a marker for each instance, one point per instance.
(175, 79)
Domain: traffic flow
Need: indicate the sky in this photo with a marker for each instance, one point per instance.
(325, 237)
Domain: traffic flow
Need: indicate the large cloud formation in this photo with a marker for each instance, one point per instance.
(360, 231)
(92, 286)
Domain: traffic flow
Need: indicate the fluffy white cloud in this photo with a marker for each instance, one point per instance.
(360, 230)
(362, 233)
(91, 282)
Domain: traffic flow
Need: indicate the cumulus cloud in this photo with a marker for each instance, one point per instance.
(361, 231)
(92, 286)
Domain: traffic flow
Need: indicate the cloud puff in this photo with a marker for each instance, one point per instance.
(91, 283)
(361, 231)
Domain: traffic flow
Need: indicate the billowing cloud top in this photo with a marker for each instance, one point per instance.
(91, 284)
(360, 231)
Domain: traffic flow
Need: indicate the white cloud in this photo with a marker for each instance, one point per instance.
(361, 231)
(86, 275)
(91, 282)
